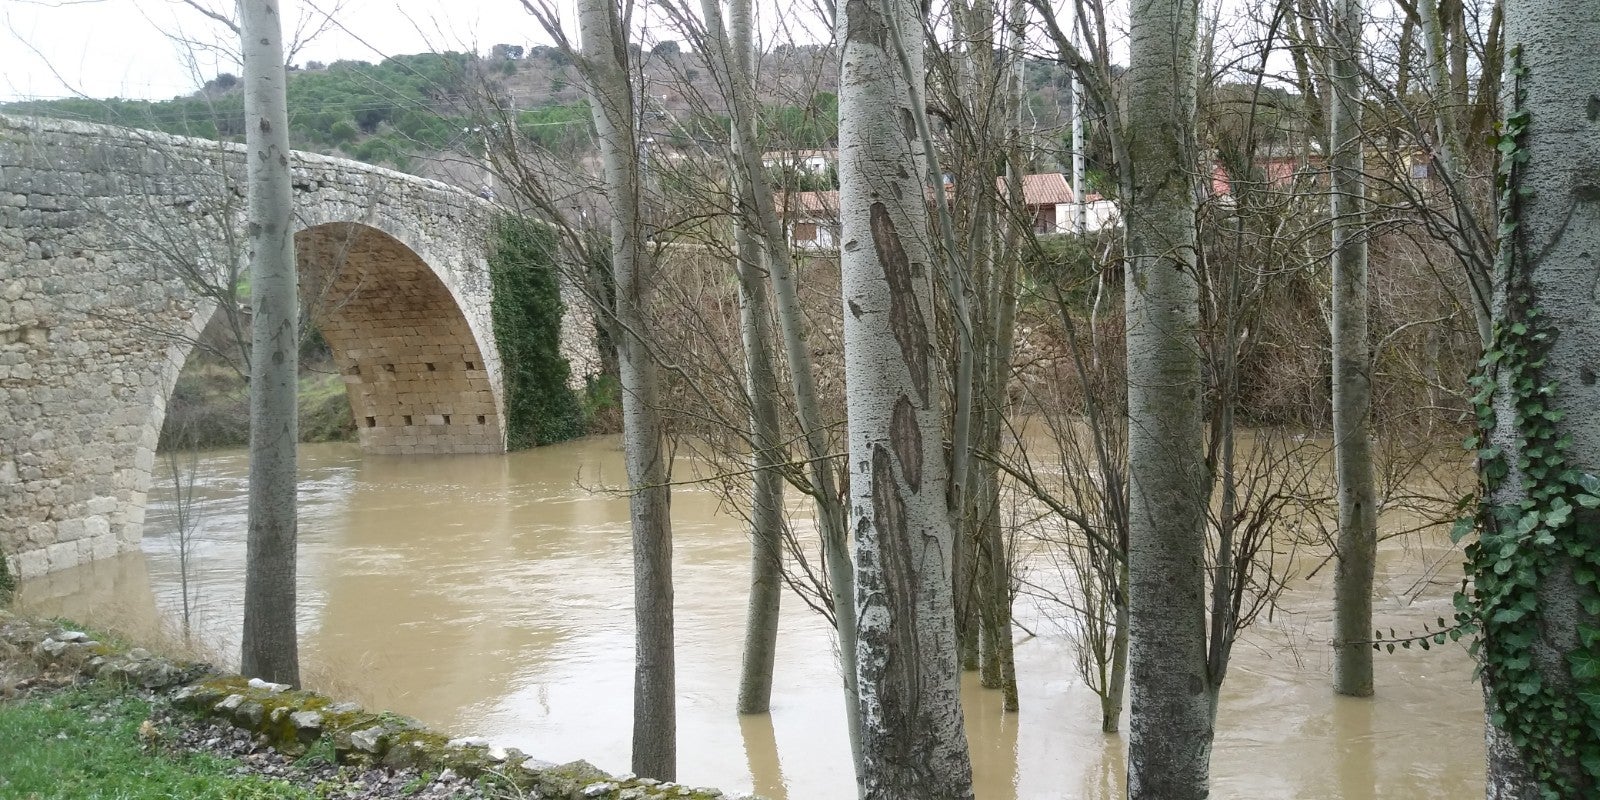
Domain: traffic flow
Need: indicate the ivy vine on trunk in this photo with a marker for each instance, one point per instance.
(1535, 564)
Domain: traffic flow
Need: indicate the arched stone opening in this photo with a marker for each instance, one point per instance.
(417, 380)
(96, 324)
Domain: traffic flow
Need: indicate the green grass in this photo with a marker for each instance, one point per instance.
(210, 409)
(84, 743)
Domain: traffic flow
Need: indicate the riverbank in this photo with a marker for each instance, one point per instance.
(210, 407)
(90, 717)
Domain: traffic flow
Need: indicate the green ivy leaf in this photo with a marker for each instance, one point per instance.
(1506, 616)
(1560, 511)
(1527, 523)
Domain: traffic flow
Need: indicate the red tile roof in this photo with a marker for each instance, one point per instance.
(1043, 189)
(813, 204)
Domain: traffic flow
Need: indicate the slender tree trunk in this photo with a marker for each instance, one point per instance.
(1352, 364)
(766, 513)
(912, 739)
(996, 555)
(1116, 689)
(967, 558)
(1449, 148)
(755, 309)
(1535, 562)
(1170, 731)
(1000, 666)
(963, 572)
(829, 510)
(268, 648)
(649, 505)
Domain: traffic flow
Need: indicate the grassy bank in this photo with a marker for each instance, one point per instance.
(93, 741)
(210, 408)
(83, 715)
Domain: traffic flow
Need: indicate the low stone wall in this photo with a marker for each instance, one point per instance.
(295, 721)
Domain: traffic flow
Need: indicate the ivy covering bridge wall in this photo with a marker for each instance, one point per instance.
(540, 406)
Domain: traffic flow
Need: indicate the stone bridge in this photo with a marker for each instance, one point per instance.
(113, 246)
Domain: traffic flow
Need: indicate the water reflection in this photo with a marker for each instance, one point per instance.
(490, 595)
(1353, 739)
(761, 751)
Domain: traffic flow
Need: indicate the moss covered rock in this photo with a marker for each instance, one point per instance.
(293, 720)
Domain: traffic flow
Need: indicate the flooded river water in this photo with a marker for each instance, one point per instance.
(490, 595)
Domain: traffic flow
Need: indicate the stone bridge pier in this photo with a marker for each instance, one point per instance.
(112, 245)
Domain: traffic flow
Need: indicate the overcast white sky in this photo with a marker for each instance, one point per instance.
(117, 48)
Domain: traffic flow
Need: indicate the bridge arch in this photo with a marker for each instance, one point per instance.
(94, 331)
(416, 374)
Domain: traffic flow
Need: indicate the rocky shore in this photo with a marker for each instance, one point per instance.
(336, 749)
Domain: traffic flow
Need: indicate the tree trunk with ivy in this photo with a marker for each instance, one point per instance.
(268, 647)
(1535, 565)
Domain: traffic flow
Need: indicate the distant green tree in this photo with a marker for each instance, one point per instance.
(561, 129)
(814, 125)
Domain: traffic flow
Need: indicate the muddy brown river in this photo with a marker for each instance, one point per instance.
(489, 596)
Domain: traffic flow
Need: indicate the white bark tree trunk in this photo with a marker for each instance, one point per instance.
(912, 740)
(1352, 364)
(1550, 263)
(605, 51)
(766, 513)
(1449, 149)
(1170, 728)
(731, 58)
(268, 648)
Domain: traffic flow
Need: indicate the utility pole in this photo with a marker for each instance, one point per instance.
(1080, 208)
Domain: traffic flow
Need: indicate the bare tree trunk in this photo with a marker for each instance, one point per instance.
(1117, 686)
(1170, 731)
(1449, 149)
(829, 510)
(766, 513)
(996, 556)
(605, 48)
(912, 739)
(1352, 364)
(268, 647)
(1535, 562)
